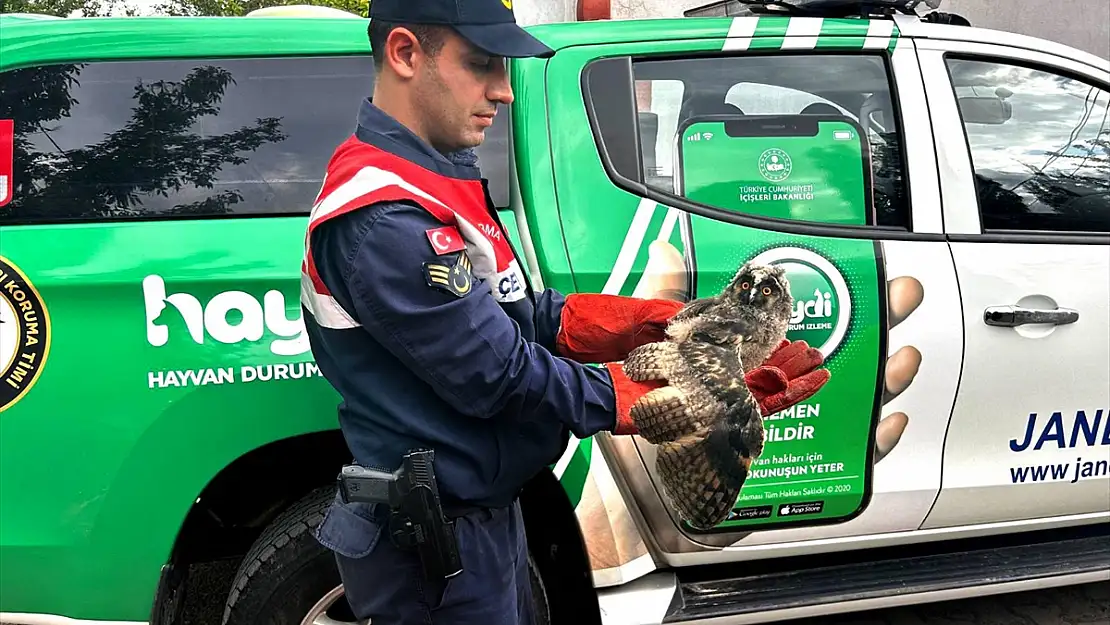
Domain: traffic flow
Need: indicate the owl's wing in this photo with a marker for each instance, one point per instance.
(675, 410)
(703, 474)
(653, 361)
(704, 471)
(716, 369)
(693, 308)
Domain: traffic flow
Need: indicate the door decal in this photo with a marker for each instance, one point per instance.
(24, 334)
(820, 454)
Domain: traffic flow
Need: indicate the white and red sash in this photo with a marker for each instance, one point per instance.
(360, 174)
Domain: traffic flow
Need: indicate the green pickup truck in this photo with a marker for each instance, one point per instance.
(159, 406)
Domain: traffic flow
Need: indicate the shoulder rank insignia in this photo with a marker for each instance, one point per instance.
(452, 274)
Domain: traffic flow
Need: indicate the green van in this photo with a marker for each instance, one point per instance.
(160, 409)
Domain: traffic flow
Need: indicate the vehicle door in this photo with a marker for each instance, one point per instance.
(877, 295)
(1023, 139)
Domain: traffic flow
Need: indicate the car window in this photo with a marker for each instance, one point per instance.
(188, 138)
(669, 92)
(1040, 145)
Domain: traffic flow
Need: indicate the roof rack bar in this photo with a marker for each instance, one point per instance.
(812, 8)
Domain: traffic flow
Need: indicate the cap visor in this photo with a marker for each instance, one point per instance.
(508, 39)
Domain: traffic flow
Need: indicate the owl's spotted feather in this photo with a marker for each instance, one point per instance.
(703, 473)
(706, 423)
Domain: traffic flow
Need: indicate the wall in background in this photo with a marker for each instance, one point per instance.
(1083, 24)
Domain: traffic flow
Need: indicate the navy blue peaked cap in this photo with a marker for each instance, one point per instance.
(489, 24)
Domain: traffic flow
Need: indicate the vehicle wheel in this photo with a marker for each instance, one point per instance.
(289, 578)
(541, 613)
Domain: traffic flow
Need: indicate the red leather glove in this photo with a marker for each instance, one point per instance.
(599, 328)
(789, 375)
(627, 393)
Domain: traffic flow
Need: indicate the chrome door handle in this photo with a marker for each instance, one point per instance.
(1013, 316)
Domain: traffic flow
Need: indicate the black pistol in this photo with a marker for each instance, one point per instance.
(416, 515)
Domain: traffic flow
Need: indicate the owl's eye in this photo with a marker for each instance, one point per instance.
(745, 286)
(766, 290)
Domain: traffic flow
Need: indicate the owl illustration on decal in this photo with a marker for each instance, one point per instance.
(706, 423)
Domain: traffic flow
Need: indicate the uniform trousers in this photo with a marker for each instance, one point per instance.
(386, 584)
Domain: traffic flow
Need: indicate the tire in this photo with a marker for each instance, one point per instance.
(287, 572)
(541, 614)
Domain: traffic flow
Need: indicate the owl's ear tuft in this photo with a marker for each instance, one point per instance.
(743, 272)
(778, 273)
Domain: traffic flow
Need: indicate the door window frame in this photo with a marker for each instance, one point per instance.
(907, 90)
(960, 200)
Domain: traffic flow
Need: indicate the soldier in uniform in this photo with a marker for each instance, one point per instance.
(420, 315)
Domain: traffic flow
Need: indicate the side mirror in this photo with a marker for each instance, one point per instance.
(985, 110)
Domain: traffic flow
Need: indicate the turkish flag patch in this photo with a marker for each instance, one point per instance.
(445, 240)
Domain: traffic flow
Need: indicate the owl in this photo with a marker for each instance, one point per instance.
(753, 312)
(706, 423)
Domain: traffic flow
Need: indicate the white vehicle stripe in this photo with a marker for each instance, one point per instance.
(878, 34)
(568, 455)
(739, 33)
(802, 34)
(631, 247)
(633, 239)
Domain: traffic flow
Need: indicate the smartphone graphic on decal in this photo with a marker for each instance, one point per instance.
(814, 168)
(817, 464)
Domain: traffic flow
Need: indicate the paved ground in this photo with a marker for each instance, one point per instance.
(1079, 605)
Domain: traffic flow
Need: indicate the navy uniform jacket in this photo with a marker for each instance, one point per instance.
(473, 378)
